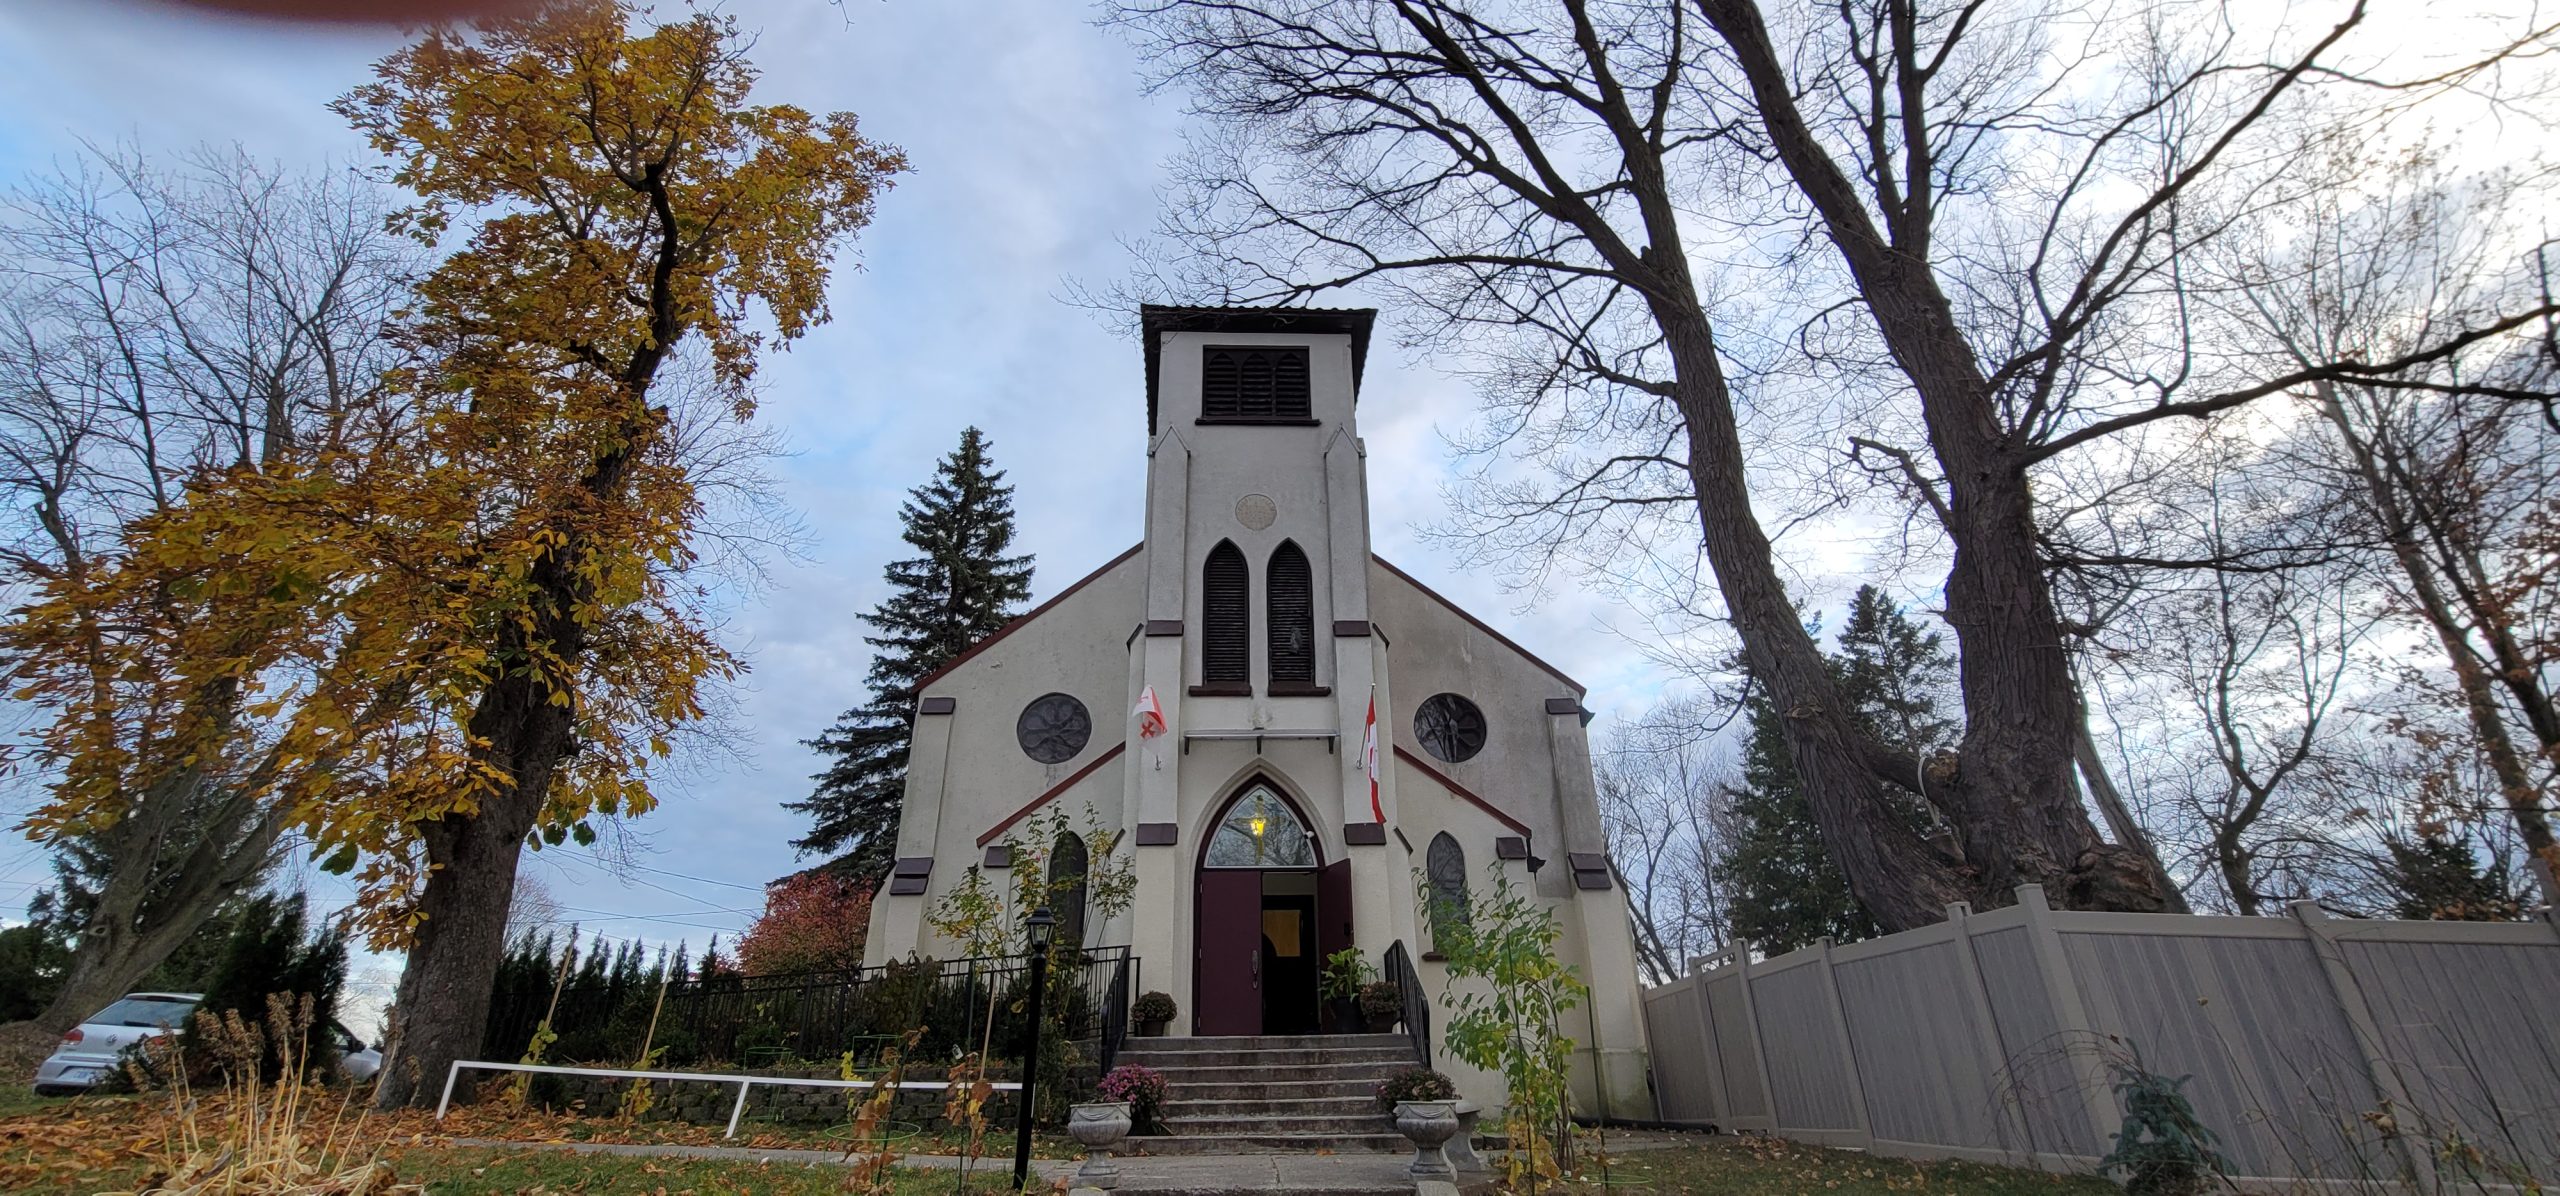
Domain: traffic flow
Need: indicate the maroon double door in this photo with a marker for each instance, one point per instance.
(1235, 987)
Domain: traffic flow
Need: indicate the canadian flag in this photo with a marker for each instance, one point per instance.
(1149, 713)
(1369, 758)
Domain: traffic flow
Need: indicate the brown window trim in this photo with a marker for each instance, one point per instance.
(1299, 689)
(1223, 689)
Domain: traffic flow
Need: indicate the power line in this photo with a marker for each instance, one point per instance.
(707, 905)
(726, 884)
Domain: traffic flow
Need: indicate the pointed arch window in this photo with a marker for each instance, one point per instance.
(1445, 868)
(1067, 865)
(1226, 632)
(1260, 831)
(1293, 617)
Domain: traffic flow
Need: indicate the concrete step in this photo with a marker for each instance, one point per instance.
(1251, 1106)
(1185, 1125)
(1267, 1057)
(1159, 1144)
(1369, 1073)
(1325, 1089)
(1257, 1042)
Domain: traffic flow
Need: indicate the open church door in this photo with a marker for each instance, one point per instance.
(1227, 988)
(1333, 908)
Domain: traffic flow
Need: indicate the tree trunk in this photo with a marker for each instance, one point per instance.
(2231, 857)
(149, 905)
(1896, 875)
(442, 1010)
(2021, 819)
(2120, 821)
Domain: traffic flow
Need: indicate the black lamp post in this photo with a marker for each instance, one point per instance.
(1037, 931)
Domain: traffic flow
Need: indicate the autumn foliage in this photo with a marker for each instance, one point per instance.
(472, 618)
(811, 920)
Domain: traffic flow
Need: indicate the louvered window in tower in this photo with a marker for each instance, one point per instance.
(1293, 618)
(1226, 632)
(1250, 384)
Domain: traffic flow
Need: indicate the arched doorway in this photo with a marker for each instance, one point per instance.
(1269, 909)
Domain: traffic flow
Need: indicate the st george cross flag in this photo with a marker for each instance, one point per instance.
(1369, 757)
(1150, 714)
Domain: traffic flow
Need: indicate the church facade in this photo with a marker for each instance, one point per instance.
(1254, 616)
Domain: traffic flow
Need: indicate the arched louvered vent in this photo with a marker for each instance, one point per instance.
(1253, 384)
(1226, 632)
(1293, 616)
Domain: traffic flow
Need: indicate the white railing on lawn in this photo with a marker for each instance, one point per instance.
(744, 1083)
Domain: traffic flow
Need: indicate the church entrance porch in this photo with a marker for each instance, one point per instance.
(1268, 911)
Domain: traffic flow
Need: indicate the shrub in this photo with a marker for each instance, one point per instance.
(1382, 1001)
(1416, 1083)
(1344, 972)
(1154, 1007)
(2163, 1149)
(1143, 1088)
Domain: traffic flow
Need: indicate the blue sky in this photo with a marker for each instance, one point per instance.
(1035, 157)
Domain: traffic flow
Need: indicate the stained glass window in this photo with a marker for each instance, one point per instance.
(1260, 831)
(1445, 864)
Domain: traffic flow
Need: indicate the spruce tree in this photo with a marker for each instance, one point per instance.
(959, 591)
(1784, 888)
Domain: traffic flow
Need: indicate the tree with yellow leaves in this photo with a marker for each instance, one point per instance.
(622, 198)
(476, 626)
(170, 328)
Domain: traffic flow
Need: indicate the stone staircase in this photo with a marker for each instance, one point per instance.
(1274, 1093)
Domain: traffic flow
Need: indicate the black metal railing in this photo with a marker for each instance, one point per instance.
(1417, 1007)
(1115, 1011)
(953, 1006)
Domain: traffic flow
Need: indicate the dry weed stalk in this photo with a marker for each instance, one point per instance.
(259, 1138)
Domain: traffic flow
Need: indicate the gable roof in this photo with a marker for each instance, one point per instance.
(1154, 320)
(1024, 618)
(1480, 625)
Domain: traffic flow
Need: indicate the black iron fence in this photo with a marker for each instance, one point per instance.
(954, 1006)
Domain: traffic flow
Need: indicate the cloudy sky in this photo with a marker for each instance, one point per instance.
(1035, 156)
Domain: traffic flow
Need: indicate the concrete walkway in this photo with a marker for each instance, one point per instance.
(1177, 1175)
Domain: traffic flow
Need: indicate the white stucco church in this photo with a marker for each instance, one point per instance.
(1257, 615)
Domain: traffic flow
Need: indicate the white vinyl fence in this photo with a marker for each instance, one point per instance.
(2321, 1049)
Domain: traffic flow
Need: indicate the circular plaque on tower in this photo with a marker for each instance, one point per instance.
(1450, 727)
(1256, 511)
(1053, 728)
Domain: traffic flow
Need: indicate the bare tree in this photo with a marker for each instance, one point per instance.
(2263, 660)
(2452, 474)
(1975, 213)
(1662, 801)
(163, 322)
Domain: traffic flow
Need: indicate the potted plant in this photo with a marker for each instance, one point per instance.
(1142, 1089)
(1344, 974)
(1381, 1005)
(1152, 1012)
(1426, 1109)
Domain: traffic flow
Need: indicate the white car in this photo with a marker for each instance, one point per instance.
(88, 1052)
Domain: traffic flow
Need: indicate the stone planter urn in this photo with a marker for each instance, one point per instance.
(1101, 1128)
(1428, 1124)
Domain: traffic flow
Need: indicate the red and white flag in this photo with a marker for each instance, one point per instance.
(1149, 713)
(1369, 757)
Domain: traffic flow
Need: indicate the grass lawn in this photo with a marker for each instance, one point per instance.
(450, 1171)
(1733, 1166)
(92, 1144)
